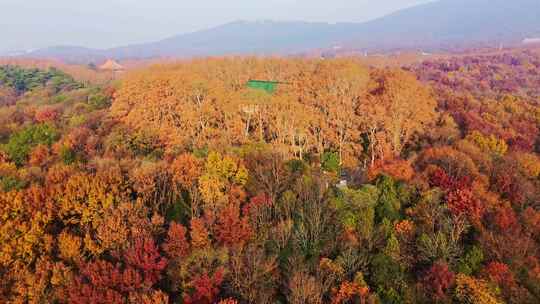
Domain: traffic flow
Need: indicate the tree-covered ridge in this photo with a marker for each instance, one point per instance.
(488, 75)
(180, 185)
(23, 79)
(495, 95)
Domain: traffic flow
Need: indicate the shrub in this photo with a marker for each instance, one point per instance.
(99, 101)
(21, 143)
(67, 155)
(8, 183)
(389, 204)
(330, 162)
(296, 165)
(472, 261)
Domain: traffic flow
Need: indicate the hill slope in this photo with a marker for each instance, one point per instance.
(433, 25)
(453, 21)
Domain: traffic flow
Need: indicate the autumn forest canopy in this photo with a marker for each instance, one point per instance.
(344, 183)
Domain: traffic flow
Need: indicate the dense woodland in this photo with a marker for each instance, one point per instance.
(179, 184)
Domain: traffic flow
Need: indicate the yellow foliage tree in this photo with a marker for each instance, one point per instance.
(490, 144)
(221, 174)
(473, 291)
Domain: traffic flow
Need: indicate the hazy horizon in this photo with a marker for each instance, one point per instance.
(35, 24)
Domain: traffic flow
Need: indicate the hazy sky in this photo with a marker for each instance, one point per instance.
(26, 24)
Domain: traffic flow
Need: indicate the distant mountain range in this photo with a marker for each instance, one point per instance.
(432, 26)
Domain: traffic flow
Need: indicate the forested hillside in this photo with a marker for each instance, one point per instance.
(347, 184)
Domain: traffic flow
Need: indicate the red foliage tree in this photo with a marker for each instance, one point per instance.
(176, 245)
(531, 220)
(77, 138)
(200, 236)
(256, 203)
(462, 202)
(237, 195)
(505, 218)
(101, 282)
(137, 270)
(46, 115)
(459, 195)
(396, 168)
(437, 280)
(39, 156)
(520, 143)
(508, 187)
(350, 292)
(231, 229)
(439, 178)
(205, 288)
(144, 256)
(500, 273)
(508, 181)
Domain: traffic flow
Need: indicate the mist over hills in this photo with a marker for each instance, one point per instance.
(453, 22)
(431, 26)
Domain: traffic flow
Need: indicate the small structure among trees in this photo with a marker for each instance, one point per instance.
(265, 85)
(111, 65)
